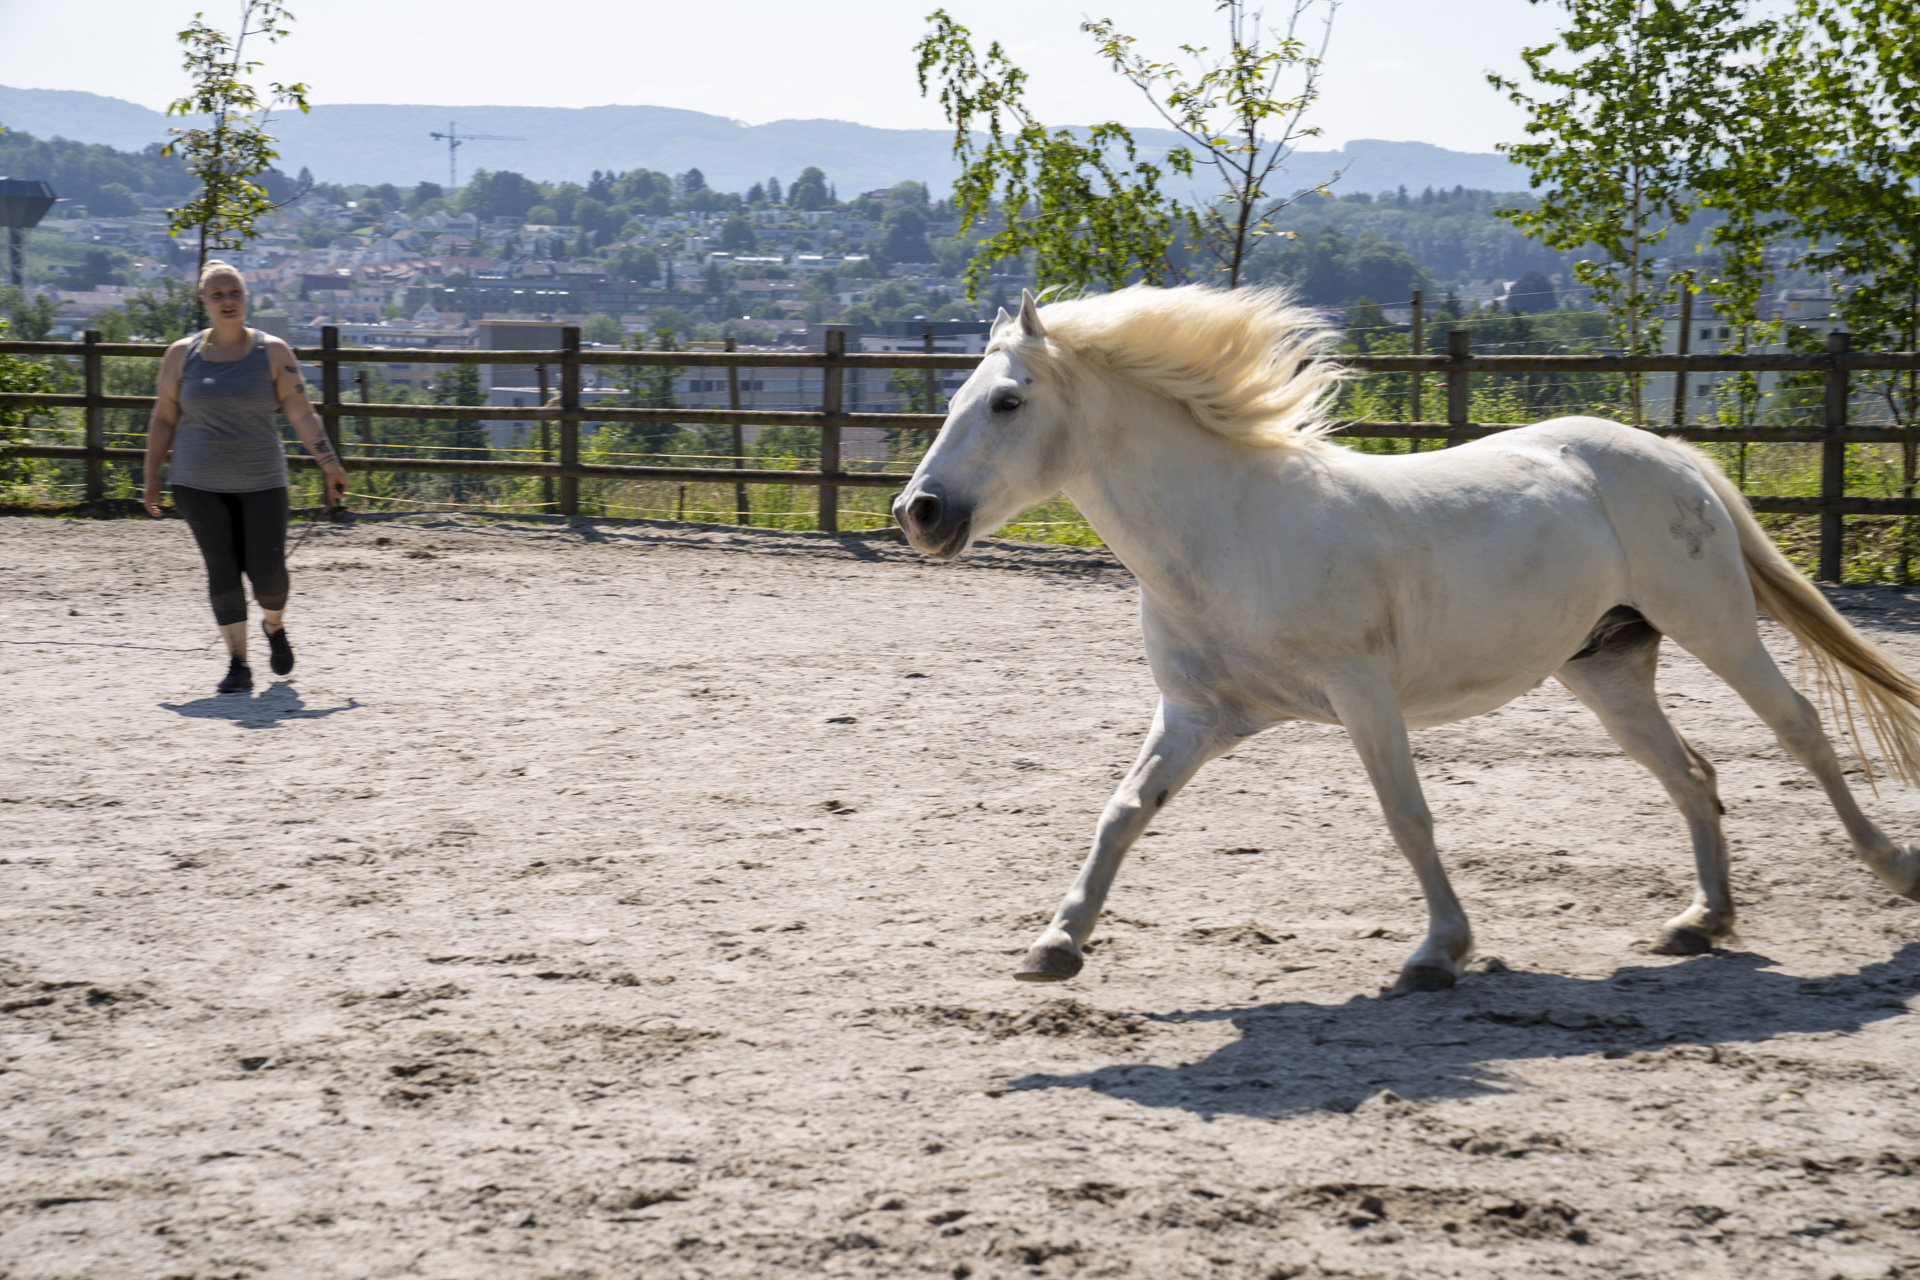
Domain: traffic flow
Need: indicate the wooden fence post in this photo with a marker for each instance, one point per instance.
(1417, 345)
(366, 397)
(96, 419)
(742, 509)
(929, 387)
(570, 418)
(1833, 462)
(1682, 347)
(546, 437)
(1459, 347)
(830, 429)
(330, 394)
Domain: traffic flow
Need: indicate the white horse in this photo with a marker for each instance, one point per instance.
(1283, 577)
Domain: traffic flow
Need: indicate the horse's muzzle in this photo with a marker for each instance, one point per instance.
(934, 525)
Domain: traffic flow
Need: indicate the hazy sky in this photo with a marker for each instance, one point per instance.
(1397, 69)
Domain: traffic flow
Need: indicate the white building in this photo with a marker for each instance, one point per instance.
(1708, 333)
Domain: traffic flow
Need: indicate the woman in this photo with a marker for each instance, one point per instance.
(214, 412)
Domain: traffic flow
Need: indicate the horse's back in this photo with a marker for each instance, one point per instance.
(1680, 543)
(1601, 445)
(1517, 545)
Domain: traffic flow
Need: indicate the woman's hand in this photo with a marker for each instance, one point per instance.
(336, 487)
(150, 498)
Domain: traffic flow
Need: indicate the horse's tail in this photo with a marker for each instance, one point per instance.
(1846, 665)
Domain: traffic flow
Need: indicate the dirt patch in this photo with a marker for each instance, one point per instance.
(609, 900)
(1053, 1018)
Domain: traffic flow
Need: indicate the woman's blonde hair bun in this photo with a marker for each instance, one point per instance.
(218, 267)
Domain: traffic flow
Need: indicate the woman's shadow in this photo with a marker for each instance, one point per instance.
(1293, 1055)
(266, 709)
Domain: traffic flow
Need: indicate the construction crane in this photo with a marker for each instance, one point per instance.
(453, 139)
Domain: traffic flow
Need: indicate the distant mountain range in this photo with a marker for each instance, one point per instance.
(377, 143)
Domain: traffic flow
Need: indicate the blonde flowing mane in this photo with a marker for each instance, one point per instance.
(1245, 363)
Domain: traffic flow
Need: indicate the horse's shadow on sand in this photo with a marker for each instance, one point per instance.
(266, 709)
(1293, 1056)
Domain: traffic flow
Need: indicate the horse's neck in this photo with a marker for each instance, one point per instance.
(1162, 492)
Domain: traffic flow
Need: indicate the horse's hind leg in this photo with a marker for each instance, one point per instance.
(1180, 741)
(1736, 655)
(1615, 679)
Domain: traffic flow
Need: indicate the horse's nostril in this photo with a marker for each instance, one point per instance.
(924, 510)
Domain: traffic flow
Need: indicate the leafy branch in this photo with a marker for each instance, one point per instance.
(1234, 115)
(1649, 96)
(231, 151)
(1087, 209)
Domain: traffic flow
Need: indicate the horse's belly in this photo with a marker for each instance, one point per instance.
(1483, 672)
(1425, 708)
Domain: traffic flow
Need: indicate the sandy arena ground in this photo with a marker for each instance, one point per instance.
(636, 901)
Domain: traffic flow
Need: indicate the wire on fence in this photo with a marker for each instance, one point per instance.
(453, 506)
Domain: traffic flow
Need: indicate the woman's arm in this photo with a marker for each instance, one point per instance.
(162, 424)
(291, 388)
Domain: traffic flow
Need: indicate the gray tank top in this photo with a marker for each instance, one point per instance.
(227, 441)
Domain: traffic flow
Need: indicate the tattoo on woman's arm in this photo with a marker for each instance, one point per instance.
(323, 450)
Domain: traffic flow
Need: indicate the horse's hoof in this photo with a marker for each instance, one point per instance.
(1683, 940)
(1049, 964)
(1422, 977)
(1910, 865)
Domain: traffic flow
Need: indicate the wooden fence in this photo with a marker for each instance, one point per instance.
(1455, 368)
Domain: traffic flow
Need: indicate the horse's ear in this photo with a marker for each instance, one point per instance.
(1030, 316)
(1000, 322)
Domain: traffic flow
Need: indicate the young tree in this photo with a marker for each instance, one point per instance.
(460, 385)
(113, 200)
(737, 236)
(809, 190)
(643, 387)
(31, 316)
(591, 215)
(773, 191)
(1650, 96)
(99, 267)
(505, 194)
(162, 317)
(909, 192)
(21, 375)
(602, 330)
(1236, 117)
(906, 234)
(1824, 180)
(232, 150)
(637, 263)
(1087, 209)
(1531, 292)
(1848, 187)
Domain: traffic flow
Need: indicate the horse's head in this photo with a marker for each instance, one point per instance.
(1004, 446)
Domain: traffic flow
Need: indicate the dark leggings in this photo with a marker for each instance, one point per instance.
(236, 532)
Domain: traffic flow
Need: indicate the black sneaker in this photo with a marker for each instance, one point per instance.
(239, 677)
(282, 658)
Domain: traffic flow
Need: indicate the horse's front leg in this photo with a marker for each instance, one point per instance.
(1370, 710)
(1181, 740)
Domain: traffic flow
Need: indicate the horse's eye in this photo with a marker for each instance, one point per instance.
(1006, 404)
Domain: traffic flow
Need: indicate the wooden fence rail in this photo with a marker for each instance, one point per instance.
(1834, 433)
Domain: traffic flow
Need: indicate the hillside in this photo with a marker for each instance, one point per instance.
(375, 143)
